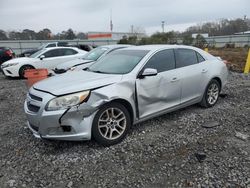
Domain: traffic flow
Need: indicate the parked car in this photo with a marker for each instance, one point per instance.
(88, 59)
(6, 54)
(29, 52)
(47, 58)
(125, 87)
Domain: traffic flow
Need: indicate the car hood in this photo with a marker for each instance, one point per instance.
(20, 60)
(72, 63)
(76, 81)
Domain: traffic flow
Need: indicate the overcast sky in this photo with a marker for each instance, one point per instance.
(94, 15)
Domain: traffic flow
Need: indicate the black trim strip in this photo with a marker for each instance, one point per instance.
(60, 119)
(136, 102)
(82, 63)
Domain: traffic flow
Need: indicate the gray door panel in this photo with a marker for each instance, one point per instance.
(156, 93)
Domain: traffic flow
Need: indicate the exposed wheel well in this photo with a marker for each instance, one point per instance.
(127, 105)
(218, 80)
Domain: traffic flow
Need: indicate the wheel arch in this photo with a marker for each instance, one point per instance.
(24, 66)
(27, 65)
(218, 80)
(127, 105)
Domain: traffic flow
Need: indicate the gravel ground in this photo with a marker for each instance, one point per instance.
(174, 150)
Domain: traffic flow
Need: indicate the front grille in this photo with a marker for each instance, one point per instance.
(35, 97)
(34, 127)
(33, 108)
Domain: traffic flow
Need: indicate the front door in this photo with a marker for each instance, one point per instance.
(162, 91)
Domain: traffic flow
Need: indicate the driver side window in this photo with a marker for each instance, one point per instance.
(162, 61)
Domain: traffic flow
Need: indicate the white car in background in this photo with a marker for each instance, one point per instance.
(89, 58)
(47, 58)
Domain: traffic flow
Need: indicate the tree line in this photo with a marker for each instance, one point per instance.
(222, 27)
(44, 34)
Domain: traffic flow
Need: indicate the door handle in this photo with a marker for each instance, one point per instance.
(174, 79)
(204, 70)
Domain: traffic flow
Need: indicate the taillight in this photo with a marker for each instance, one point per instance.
(9, 53)
(226, 62)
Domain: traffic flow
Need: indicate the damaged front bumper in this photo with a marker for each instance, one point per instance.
(71, 124)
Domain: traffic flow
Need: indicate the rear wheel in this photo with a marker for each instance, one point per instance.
(111, 124)
(211, 94)
(23, 68)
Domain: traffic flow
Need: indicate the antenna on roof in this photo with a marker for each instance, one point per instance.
(111, 23)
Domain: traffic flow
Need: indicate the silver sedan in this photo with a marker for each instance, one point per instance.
(126, 87)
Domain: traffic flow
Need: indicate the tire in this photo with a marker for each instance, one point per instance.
(22, 70)
(111, 124)
(211, 94)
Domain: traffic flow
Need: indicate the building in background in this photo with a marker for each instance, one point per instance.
(112, 35)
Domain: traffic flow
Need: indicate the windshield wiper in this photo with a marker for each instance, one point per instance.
(96, 71)
(86, 69)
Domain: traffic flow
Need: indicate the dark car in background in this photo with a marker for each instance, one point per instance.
(84, 47)
(6, 54)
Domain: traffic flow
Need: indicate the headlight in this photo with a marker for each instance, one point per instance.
(9, 65)
(67, 101)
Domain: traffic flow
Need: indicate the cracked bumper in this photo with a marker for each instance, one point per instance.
(50, 124)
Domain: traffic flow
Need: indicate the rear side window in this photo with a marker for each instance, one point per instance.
(68, 52)
(199, 57)
(162, 61)
(53, 53)
(185, 57)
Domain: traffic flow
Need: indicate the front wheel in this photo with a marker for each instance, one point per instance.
(23, 69)
(211, 94)
(111, 124)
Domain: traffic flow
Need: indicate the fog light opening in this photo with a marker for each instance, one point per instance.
(66, 128)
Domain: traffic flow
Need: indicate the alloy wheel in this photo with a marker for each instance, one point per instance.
(112, 123)
(212, 93)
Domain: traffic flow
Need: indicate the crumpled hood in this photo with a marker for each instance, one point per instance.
(19, 60)
(76, 81)
(71, 63)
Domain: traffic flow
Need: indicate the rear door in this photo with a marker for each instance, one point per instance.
(56, 56)
(162, 91)
(191, 70)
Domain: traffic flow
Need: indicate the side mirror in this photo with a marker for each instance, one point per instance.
(42, 57)
(148, 72)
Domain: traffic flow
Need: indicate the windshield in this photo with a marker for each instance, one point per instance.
(42, 46)
(37, 53)
(95, 54)
(118, 62)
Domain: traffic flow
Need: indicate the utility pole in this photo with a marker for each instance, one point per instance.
(245, 18)
(111, 23)
(163, 25)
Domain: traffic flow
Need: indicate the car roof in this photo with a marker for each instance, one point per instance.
(116, 46)
(156, 47)
(160, 46)
(62, 47)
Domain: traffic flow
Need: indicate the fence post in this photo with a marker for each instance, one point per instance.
(247, 66)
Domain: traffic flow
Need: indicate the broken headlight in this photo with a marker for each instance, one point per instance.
(67, 101)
